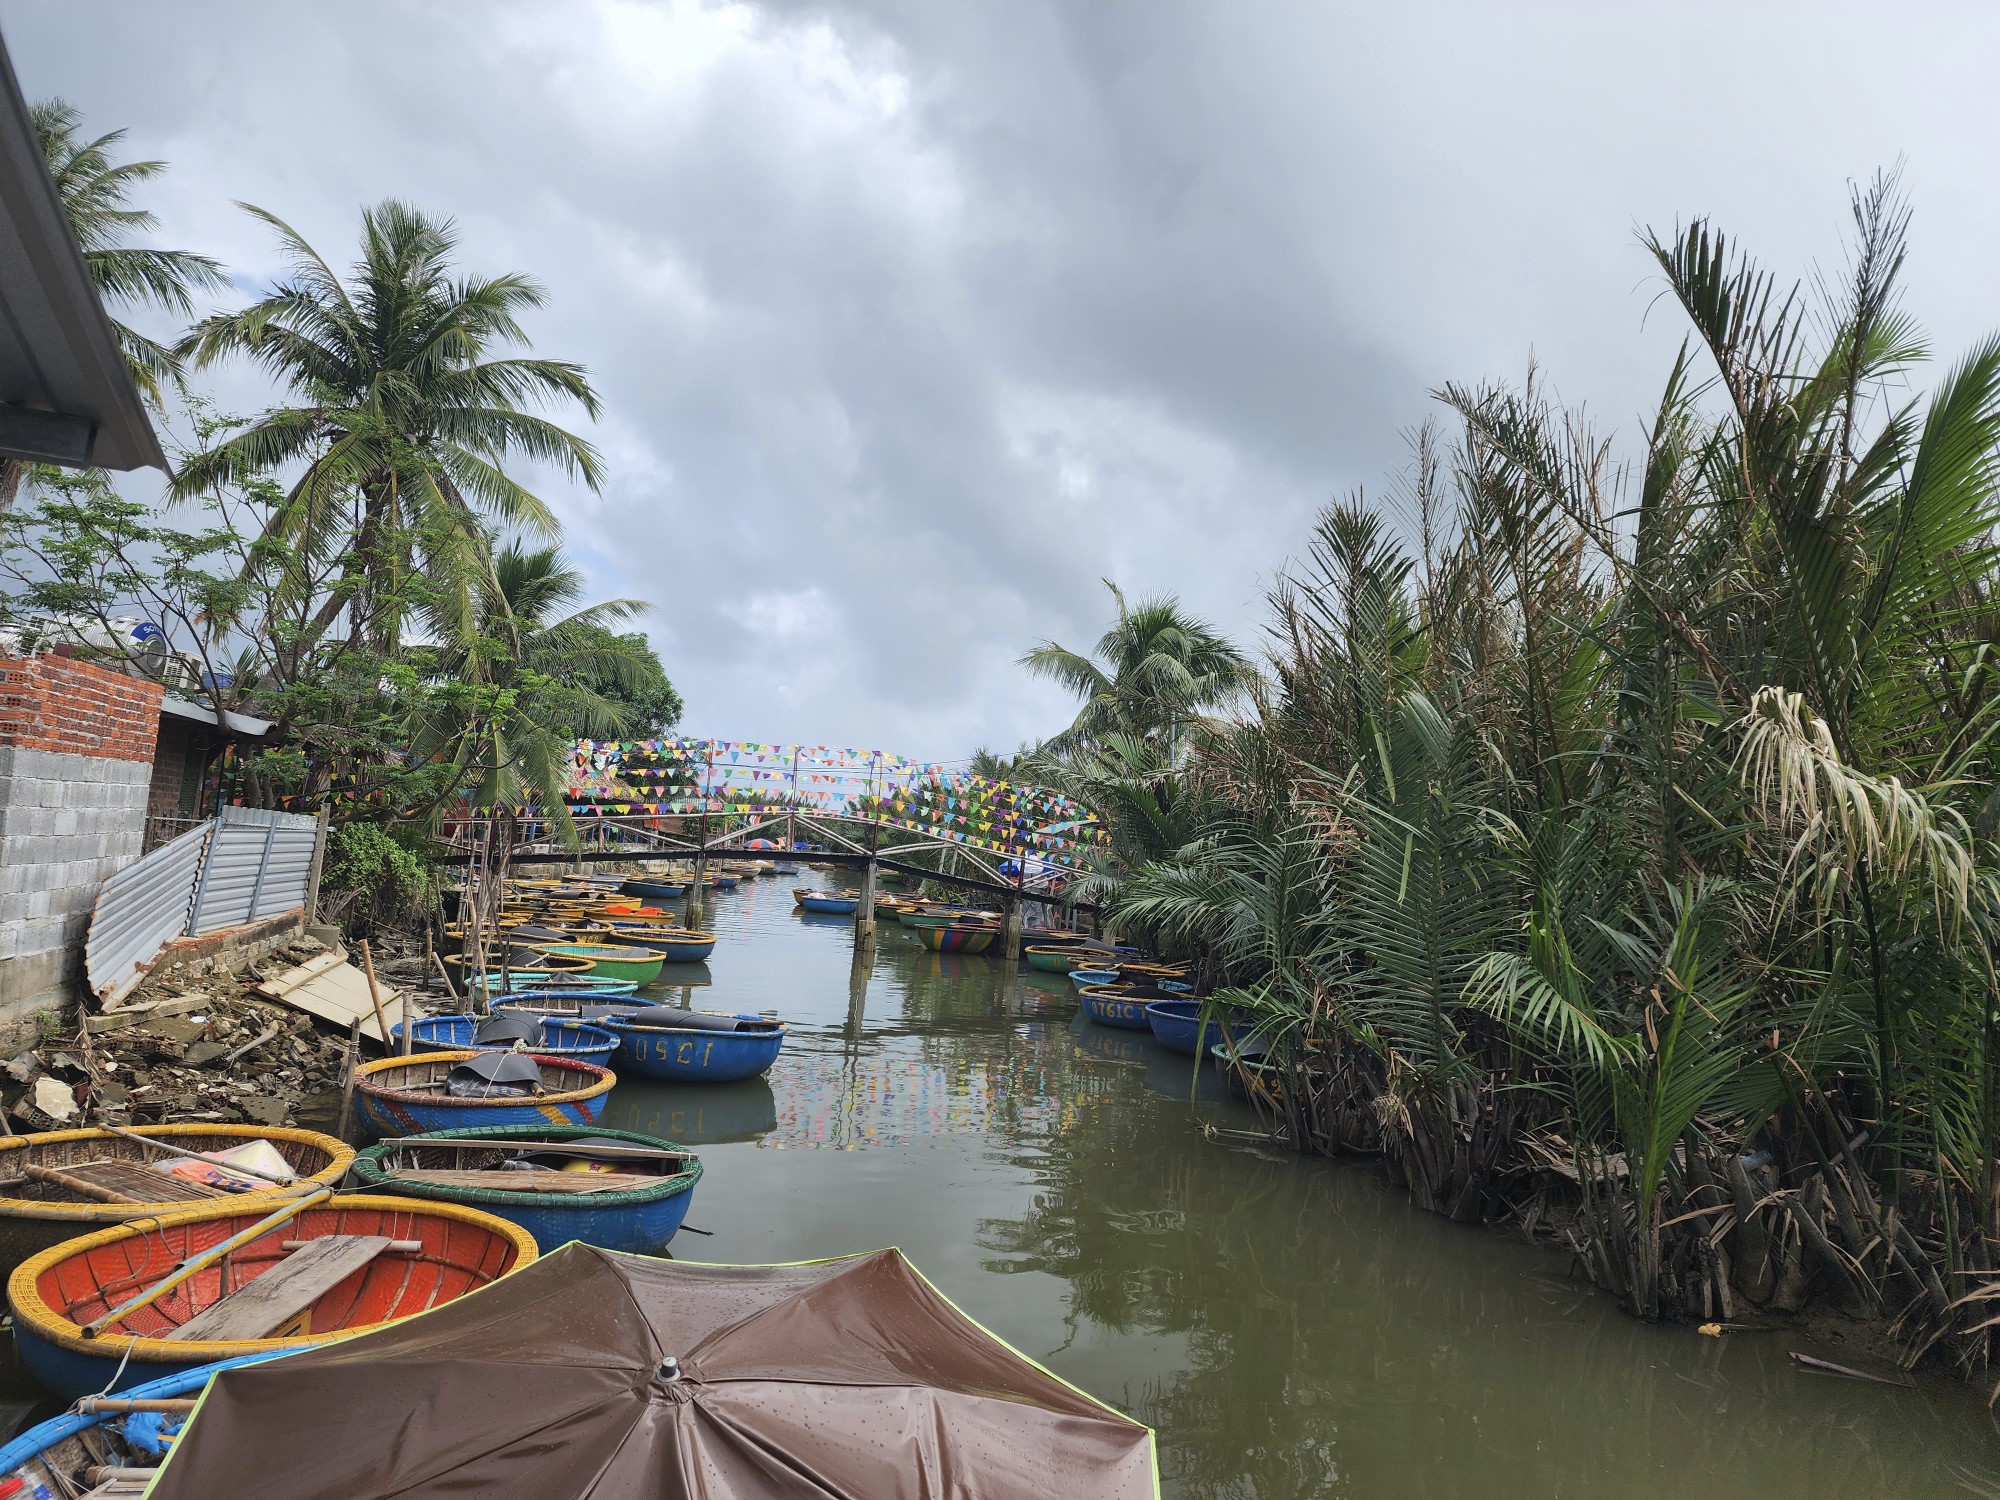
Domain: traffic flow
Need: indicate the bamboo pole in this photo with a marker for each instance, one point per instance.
(193, 1264)
(347, 1079)
(375, 996)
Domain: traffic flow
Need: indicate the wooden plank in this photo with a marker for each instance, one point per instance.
(260, 1308)
(119, 1017)
(121, 1484)
(500, 1180)
(327, 987)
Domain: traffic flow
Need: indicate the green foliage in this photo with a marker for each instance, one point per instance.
(374, 875)
(1644, 815)
(624, 671)
(95, 192)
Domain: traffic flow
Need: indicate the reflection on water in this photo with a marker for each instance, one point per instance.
(745, 1111)
(1291, 1327)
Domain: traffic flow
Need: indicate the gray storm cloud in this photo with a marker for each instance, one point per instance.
(913, 321)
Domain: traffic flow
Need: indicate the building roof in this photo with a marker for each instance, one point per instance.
(201, 713)
(66, 395)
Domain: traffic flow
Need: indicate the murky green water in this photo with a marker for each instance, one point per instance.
(1290, 1327)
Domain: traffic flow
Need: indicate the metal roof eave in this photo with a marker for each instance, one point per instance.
(66, 394)
(241, 724)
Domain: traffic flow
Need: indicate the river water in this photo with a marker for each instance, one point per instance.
(1290, 1327)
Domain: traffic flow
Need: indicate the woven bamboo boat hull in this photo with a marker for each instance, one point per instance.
(639, 1219)
(455, 1033)
(1109, 1009)
(693, 1056)
(44, 1215)
(405, 1096)
(957, 939)
(53, 1293)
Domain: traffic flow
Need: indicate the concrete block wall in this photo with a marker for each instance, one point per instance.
(76, 753)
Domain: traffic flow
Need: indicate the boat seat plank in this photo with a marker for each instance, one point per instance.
(500, 1179)
(268, 1303)
(122, 1487)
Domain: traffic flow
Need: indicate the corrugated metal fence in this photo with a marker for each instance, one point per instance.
(246, 864)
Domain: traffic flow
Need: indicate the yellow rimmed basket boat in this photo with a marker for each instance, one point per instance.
(407, 1095)
(390, 1258)
(39, 1211)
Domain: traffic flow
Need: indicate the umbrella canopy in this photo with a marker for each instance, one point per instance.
(616, 1377)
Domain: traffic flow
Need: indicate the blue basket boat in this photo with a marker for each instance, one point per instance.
(681, 947)
(570, 1007)
(406, 1096)
(1177, 1024)
(451, 1033)
(1110, 1007)
(640, 1218)
(50, 1457)
(696, 1054)
(1084, 978)
(658, 890)
(675, 945)
(547, 982)
(827, 903)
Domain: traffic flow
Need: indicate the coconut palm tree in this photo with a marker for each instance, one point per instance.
(95, 192)
(1151, 674)
(546, 656)
(405, 417)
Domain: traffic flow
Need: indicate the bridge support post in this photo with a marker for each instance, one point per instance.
(1010, 932)
(864, 913)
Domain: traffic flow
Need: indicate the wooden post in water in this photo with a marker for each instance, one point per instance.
(1010, 931)
(697, 891)
(864, 913)
(857, 988)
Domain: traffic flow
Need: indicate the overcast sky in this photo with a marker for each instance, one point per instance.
(912, 321)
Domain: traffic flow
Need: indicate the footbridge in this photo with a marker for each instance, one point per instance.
(712, 801)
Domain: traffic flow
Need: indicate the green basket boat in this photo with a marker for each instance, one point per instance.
(1052, 960)
(613, 960)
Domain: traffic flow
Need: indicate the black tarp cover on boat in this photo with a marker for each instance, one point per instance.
(619, 1377)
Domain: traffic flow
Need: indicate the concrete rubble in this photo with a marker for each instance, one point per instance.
(189, 1049)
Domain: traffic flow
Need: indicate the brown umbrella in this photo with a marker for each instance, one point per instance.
(594, 1374)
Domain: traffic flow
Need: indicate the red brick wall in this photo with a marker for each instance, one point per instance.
(75, 708)
(170, 758)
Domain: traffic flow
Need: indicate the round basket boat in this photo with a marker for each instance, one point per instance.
(520, 957)
(536, 981)
(612, 960)
(559, 1006)
(1178, 1026)
(1084, 978)
(826, 903)
(50, 1458)
(1050, 960)
(658, 890)
(453, 1033)
(43, 1213)
(685, 947)
(1111, 1007)
(406, 1096)
(54, 1293)
(692, 1054)
(956, 939)
(639, 1219)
